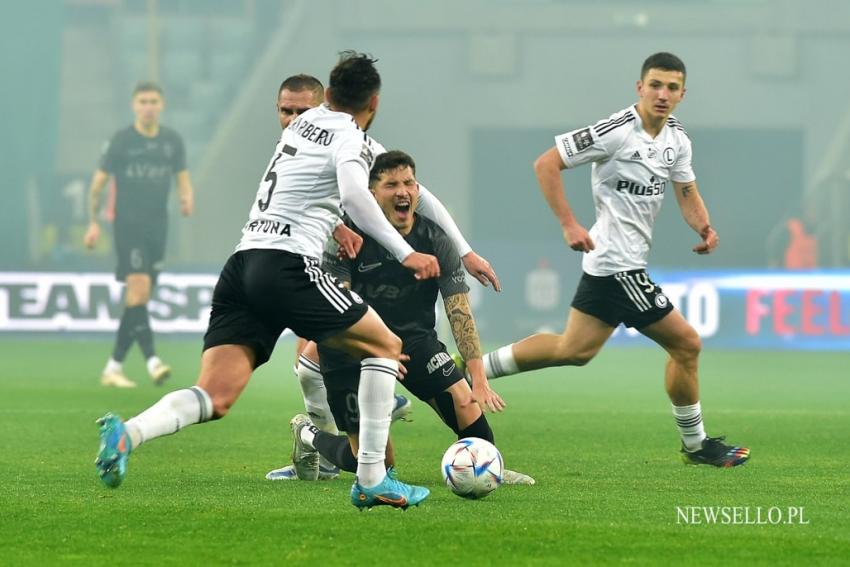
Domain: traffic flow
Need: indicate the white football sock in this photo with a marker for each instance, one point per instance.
(500, 363)
(315, 395)
(308, 434)
(170, 414)
(113, 367)
(689, 422)
(375, 398)
(316, 400)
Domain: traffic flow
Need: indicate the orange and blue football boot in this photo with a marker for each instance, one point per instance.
(114, 451)
(390, 492)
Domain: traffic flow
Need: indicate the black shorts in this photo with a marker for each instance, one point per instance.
(139, 250)
(629, 297)
(430, 371)
(262, 292)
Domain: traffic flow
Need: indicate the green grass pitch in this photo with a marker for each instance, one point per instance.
(600, 441)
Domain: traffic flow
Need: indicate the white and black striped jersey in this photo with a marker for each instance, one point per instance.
(298, 201)
(630, 174)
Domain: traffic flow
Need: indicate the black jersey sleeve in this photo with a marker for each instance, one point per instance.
(109, 155)
(178, 160)
(452, 276)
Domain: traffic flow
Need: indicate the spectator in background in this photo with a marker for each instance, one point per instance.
(793, 244)
(142, 157)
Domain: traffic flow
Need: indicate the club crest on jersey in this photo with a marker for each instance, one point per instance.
(437, 361)
(661, 301)
(668, 156)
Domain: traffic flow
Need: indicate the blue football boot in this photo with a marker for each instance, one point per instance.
(390, 492)
(114, 451)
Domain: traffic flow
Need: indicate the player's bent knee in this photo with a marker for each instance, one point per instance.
(138, 289)
(689, 347)
(388, 347)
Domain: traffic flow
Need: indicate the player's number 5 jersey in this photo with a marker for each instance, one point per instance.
(631, 173)
(298, 203)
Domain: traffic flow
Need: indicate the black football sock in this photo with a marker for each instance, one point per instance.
(479, 428)
(143, 331)
(126, 333)
(336, 449)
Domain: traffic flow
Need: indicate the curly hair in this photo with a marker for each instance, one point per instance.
(354, 80)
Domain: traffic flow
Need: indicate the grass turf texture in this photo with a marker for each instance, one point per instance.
(599, 440)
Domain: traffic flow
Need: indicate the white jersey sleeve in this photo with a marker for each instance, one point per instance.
(592, 143)
(431, 207)
(682, 172)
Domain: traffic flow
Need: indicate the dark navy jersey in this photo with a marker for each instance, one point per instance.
(143, 168)
(406, 305)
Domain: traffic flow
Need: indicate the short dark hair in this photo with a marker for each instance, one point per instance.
(664, 61)
(146, 87)
(353, 81)
(302, 82)
(388, 161)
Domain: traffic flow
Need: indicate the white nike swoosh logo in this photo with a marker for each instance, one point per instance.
(366, 267)
(449, 370)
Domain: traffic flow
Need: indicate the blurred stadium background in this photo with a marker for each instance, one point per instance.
(474, 90)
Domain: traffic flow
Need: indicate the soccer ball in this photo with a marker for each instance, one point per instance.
(472, 467)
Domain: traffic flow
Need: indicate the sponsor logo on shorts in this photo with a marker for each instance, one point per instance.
(438, 360)
(368, 267)
(661, 301)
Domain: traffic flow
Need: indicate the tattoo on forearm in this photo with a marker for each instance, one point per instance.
(686, 190)
(463, 326)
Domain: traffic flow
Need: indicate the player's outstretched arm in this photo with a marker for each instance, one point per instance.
(98, 181)
(431, 207)
(548, 169)
(185, 193)
(696, 215)
(465, 333)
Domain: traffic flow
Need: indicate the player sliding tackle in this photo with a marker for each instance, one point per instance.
(273, 281)
(634, 154)
(407, 306)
